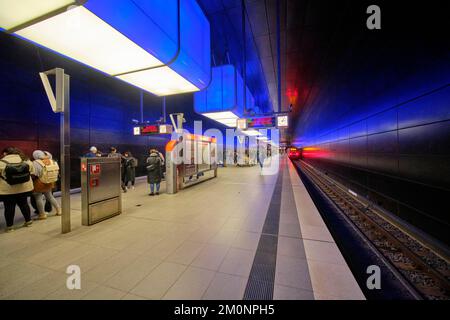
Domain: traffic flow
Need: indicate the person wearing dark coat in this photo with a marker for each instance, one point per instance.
(154, 171)
(129, 169)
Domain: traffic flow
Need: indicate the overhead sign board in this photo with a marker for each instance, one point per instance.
(261, 122)
(242, 124)
(282, 121)
(153, 129)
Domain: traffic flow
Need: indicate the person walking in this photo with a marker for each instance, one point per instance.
(46, 173)
(154, 172)
(15, 185)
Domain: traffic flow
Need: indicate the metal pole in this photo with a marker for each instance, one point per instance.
(278, 56)
(164, 108)
(65, 158)
(244, 67)
(142, 106)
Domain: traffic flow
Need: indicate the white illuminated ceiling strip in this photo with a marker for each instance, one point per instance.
(14, 13)
(220, 115)
(230, 123)
(161, 81)
(227, 118)
(81, 35)
(252, 132)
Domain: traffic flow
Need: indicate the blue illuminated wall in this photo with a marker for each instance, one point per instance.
(225, 93)
(102, 108)
(379, 122)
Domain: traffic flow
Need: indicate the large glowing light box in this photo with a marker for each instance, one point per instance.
(223, 100)
(161, 46)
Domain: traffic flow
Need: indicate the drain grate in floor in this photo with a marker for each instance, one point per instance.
(261, 281)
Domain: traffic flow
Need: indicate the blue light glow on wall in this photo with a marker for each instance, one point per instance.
(225, 93)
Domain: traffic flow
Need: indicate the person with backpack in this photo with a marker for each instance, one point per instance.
(15, 185)
(129, 169)
(46, 173)
(154, 172)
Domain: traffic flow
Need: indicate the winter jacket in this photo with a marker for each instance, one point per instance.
(91, 155)
(5, 188)
(129, 169)
(154, 172)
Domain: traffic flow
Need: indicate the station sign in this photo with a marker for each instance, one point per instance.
(261, 122)
(282, 121)
(279, 121)
(153, 129)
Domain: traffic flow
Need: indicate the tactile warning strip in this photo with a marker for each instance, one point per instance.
(261, 281)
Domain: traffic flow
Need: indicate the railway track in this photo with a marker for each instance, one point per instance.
(422, 268)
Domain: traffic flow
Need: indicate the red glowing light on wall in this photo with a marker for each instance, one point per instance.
(292, 95)
(314, 152)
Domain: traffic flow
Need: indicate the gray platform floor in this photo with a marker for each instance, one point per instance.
(197, 244)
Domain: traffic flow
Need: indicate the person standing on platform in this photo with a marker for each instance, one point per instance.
(154, 172)
(113, 153)
(163, 164)
(44, 179)
(15, 185)
(129, 169)
(93, 152)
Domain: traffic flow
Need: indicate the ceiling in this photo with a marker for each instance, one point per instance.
(318, 40)
(306, 30)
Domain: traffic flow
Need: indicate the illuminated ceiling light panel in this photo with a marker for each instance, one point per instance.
(220, 115)
(252, 132)
(227, 118)
(262, 138)
(13, 13)
(81, 35)
(160, 46)
(160, 81)
(224, 96)
(229, 123)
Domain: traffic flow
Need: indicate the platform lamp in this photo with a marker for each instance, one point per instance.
(60, 103)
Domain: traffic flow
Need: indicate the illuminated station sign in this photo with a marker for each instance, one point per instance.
(280, 121)
(153, 129)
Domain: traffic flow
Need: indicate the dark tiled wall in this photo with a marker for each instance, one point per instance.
(400, 158)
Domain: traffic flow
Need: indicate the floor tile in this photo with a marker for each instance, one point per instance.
(186, 253)
(290, 293)
(104, 293)
(191, 285)
(292, 272)
(210, 257)
(129, 276)
(238, 262)
(156, 284)
(226, 287)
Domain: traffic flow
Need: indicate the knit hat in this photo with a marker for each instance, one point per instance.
(38, 154)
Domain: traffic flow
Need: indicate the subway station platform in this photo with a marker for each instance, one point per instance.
(239, 236)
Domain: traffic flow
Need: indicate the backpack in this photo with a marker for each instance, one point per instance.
(50, 172)
(16, 173)
(135, 163)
